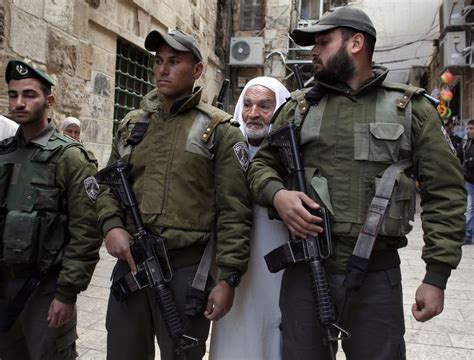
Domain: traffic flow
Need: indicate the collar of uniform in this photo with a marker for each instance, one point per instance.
(42, 138)
(380, 73)
(187, 103)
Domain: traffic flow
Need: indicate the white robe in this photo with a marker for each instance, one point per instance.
(250, 331)
(7, 127)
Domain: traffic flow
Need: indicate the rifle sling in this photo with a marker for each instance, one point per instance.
(13, 308)
(285, 255)
(359, 261)
(138, 131)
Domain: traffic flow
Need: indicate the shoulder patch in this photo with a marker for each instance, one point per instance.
(241, 151)
(92, 188)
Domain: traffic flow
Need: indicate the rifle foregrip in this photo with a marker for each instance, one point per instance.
(169, 312)
(321, 293)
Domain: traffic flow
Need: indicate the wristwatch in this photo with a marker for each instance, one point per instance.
(233, 280)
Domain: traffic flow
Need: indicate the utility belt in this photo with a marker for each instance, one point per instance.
(293, 252)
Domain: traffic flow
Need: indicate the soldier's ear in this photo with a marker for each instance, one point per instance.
(357, 43)
(50, 100)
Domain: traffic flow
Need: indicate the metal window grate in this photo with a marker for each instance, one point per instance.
(133, 69)
(252, 14)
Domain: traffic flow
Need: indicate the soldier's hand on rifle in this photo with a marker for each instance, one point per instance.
(291, 208)
(429, 302)
(220, 301)
(60, 313)
(117, 242)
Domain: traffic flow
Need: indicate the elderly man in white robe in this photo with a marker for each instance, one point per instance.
(251, 330)
(7, 127)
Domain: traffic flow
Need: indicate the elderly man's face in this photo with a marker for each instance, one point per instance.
(258, 107)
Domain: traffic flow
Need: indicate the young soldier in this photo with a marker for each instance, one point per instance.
(49, 244)
(354, 126)
(188, 168)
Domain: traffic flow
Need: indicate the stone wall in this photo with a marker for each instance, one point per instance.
(75, 42)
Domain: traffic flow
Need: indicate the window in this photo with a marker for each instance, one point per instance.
(132, 78)
(252, 14)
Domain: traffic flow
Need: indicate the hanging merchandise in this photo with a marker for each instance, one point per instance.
(444, 94)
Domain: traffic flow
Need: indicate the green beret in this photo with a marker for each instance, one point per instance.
(18, 70)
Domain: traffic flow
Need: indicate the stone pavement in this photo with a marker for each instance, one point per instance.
(448, 336)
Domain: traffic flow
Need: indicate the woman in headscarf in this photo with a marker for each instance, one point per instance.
(251, 330)
(72, 128)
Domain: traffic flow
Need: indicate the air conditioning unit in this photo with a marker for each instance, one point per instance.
(246, 51)
(451, 47)
(451, 13)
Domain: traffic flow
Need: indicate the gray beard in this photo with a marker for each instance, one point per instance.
(257, 134)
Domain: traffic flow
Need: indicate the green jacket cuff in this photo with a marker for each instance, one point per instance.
(269, 191)
(111, 223)
(66, 295)
(437, 275)
(226, 272)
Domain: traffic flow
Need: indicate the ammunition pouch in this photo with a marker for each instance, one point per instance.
(33, 239)
(285, 255)
(20, 235)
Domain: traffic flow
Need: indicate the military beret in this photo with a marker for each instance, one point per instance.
(18, 70)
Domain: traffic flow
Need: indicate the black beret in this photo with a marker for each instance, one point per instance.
(18, 70)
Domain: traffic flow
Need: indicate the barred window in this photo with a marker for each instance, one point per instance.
(252, 14)
(132, 78)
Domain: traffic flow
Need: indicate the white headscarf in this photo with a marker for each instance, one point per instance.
(69, 121)
(280, 91)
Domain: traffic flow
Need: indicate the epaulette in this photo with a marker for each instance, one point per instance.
(216, 116)
(408, 92)
(299, 97)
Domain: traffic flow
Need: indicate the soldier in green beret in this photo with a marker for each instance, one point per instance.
(188, 165)
(49, 244)
(363, 141)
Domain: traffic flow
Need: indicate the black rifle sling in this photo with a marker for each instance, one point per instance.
(358, 264)
(138, 131)
(10, 310)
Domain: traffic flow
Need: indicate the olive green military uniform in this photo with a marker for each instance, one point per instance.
(188, 174)
(348, 139)
(48, 231)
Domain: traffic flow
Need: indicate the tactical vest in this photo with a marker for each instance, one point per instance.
(345, 159)
(33, 222)
(174, 172)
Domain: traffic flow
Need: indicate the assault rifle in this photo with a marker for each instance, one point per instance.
(298, 76)
(146, 249)
(314, 249)
(219, 101)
